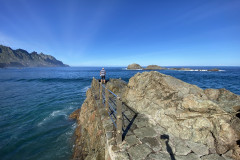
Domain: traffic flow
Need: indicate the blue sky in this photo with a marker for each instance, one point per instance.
(121, 32)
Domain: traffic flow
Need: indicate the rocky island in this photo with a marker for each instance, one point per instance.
(21, 58)
(175, 120)
(134, 66)
(154, 67)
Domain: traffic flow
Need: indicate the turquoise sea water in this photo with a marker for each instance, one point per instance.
(35, 104)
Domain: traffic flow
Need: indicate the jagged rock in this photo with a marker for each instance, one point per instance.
(117, 86)
(184, 110)
(21, 58)
(90, 140)
(154, 67)
(75, 114)
(134, 66)
(227, 100)
(176, 120)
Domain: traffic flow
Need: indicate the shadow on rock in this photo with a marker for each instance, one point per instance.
(169, 149)
(130, 120)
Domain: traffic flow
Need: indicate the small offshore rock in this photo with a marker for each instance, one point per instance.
(134, 66)
(213, 70)
(154, 67)
(75, 114)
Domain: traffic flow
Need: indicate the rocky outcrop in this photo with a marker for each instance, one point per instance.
(75, 114)
(117, 86)
(134, 66)
(154, 67)
(227, 100)
(90, 140)
(21, 58)
(186, 111)
(175, 120)
(213, 70)
(180, 69)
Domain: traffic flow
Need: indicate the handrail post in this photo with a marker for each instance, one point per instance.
(119, 121)
(101, 97)
(106, 98)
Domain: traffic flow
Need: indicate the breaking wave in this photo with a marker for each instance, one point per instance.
(85, 88)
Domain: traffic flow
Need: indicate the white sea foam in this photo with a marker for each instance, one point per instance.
(55, 114)
(59, 113)
(73, 127)
(85, 88)
(196, 70)
(199, 70)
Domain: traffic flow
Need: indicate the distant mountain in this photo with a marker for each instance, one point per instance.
(21, 58)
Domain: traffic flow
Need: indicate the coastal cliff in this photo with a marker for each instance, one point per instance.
(21, 58)
(175, 119)
(90, 140)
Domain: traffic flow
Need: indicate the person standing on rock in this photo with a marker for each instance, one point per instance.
(103, 74)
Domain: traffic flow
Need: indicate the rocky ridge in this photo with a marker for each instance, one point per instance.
(176, 120)
(21, 58)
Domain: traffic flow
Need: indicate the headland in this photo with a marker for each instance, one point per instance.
(167, 119)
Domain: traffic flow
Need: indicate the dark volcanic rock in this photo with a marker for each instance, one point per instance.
(21, 58)
(134, 66)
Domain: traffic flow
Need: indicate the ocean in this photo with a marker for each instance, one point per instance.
(35, 104)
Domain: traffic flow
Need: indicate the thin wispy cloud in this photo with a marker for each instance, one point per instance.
(118, 32)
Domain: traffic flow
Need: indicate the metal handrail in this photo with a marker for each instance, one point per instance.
(114, 106)
(110, 91)
(112, 120)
